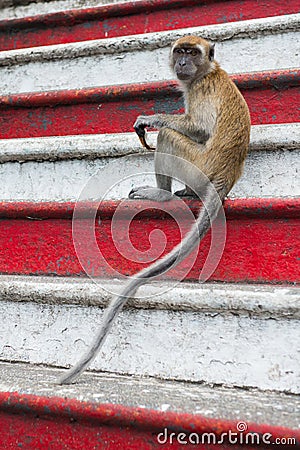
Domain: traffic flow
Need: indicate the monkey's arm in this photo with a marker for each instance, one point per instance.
(182, 123)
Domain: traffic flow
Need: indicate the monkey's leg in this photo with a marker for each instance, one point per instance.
(182, 147)
(169, 142)
(161, 193)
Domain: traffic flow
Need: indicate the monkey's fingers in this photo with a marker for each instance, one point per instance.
(144, 143)
(140, 131)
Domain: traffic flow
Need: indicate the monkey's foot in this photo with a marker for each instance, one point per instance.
(186, 193)
(136, 190)
(150, 193)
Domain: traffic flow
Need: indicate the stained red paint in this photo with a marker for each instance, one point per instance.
(132, 18)
(273, 97)
(33, 422)
(262, 240)
(239, 208)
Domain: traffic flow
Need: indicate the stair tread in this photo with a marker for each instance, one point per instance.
(267, 137)
(261, 242)
(209, 401)
(260, 300)
(126, 19)
(229, 335)
(146, 54)
(140, 42)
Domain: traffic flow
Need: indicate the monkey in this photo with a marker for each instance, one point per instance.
(212, 135)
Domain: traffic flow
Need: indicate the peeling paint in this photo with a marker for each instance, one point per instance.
(264, 138)
(78, 112)
(255, 227)
(130, 18)
(58, 422)
(259, 44)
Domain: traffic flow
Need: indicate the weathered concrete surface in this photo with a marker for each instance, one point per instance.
(271, 169)
(10, 9)
(251, 300)
(214, 402)
(284, 136)
(251, 45)
(214, 344)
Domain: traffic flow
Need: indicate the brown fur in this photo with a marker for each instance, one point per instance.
(214, 132)
(227, 147)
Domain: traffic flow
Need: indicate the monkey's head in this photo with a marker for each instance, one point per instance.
(191, 57)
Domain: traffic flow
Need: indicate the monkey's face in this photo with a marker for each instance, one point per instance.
(186, 61)
(191, 56)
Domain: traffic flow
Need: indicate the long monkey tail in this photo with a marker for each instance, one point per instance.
(213, 203)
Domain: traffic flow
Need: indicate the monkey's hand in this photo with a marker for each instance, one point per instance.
(139, 126)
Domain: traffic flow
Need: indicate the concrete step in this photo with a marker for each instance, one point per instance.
(130, 18)
(59, 168)
(250, 45)
(12, 9)
(108, 403)
(231, 335)
(255, 240)
(272, 97)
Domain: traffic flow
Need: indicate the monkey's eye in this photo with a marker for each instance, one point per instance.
(178, 50)
(192, 51)
(195, 52)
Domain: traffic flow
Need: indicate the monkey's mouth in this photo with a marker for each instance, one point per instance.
(183, 75)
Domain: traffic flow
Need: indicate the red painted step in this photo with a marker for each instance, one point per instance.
(273, 97)
(33, 422)
(262, 240)
(133, 18)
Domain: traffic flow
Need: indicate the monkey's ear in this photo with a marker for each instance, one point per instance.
(211, 53)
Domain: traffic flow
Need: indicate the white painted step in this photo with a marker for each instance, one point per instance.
(252, 405)
(12, 9)
(91, 166)
(246, 46)
(231, 335)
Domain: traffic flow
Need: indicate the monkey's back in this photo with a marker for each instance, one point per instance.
(227, 147)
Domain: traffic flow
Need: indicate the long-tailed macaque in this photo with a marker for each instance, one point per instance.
(212, 136)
